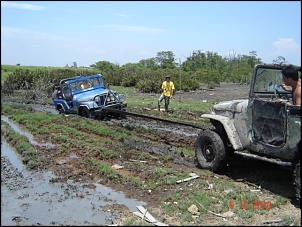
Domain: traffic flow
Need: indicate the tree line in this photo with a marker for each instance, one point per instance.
(200, 67)
(148, 74)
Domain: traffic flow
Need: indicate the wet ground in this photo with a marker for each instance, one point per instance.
(83, 199)
(30, 198)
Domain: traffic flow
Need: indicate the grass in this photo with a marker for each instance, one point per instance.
(106, 170)
(137, 103)
(104, 143)
(290, 221)
(135, 100)
(174, 205)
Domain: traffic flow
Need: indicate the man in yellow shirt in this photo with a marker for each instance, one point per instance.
(85, 84)
(168, 89)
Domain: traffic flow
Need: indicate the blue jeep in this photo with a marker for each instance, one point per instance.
(88, 97)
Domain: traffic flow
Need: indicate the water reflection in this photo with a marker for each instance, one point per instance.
(45, 203)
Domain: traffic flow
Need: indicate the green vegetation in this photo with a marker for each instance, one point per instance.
(102, 144)
(290, 221)
(146, 76)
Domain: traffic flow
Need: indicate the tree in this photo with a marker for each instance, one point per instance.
(280, 60)
(166, 60)
(149, 63)
(105, 66)
(196, 61)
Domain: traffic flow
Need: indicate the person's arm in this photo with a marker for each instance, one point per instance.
(171, 93)
(279, 101)
(172, 90)
(286, 88)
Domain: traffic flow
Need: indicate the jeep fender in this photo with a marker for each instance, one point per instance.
(229, 129)
(81, 107)
(61, 104)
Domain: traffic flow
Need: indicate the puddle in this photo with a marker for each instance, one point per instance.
(13, 156)
(30, 137)
(28, 198)
(50, 109)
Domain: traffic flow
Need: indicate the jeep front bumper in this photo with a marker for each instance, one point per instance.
(111, 108)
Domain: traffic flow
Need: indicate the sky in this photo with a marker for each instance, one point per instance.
(59, 33)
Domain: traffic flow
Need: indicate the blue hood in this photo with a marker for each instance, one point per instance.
(88, 95)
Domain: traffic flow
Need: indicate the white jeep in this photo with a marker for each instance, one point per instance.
(256, 127)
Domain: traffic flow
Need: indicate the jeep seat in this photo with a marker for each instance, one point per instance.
(68, 96)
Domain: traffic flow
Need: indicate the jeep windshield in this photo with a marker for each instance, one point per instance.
(266, 83)
(268, 80)
(85, 83)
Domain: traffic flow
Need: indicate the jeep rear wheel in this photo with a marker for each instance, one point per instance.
(61, 111)
(210, 151)
(297, 181)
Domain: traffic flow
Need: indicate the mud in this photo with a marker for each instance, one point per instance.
(32, 198)
(75, 185)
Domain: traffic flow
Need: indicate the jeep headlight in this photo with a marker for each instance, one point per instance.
(111, 96)
(122, 98)
(97, 99)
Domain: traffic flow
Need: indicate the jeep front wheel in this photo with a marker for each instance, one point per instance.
(87, 113)
(210, 151)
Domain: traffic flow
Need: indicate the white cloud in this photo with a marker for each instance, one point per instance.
(288, 48)
(286, 44)
(23, 33)
(137, 29)
(7, 4)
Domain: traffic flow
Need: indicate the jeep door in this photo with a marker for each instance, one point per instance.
(267, 120)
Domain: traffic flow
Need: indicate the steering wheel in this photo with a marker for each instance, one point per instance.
(279, 96)
(277, 93)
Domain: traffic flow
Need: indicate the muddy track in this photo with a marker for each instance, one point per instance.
(274, 179)
(171, 136)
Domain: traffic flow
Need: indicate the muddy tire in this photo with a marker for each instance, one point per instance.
(210, 151)
(297, 181)
(87, 113)
(123, 115)
(61, 111)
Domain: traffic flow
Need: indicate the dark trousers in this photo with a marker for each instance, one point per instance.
(167, 101)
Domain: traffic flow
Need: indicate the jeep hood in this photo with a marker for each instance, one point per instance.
(232, 106)
(89, 95)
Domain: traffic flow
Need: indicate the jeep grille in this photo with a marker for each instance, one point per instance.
(105, 99)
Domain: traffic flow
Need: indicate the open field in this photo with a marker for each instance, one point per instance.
(145, 159)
